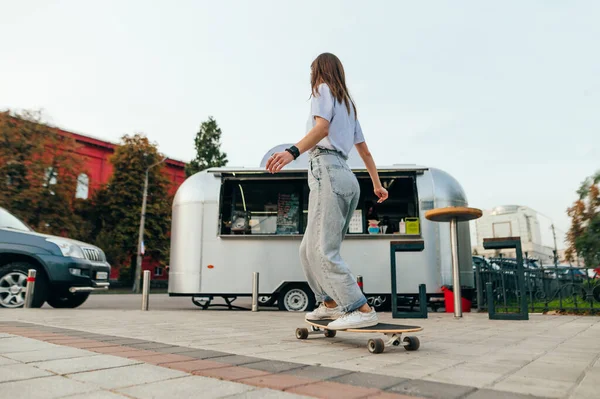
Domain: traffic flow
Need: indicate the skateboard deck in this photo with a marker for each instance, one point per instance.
(384, 328)
(393, 332)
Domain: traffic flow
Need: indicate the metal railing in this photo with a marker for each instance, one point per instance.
(563, 288)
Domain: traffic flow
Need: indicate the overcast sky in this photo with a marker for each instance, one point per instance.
(504, 97)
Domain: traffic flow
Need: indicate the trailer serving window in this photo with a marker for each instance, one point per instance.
(261, 204)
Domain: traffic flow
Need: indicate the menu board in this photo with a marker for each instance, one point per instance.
(287, 213)
(356, 223)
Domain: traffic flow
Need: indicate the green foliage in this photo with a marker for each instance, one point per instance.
(118, 205)
(208, 148)
(584, 235)
(39, 168)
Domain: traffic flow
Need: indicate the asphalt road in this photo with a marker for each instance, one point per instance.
(156, 302)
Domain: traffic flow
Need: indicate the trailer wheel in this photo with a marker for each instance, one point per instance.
(381, 303)
(296, 298)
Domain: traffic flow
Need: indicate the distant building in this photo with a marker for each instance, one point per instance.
(97, 171)
(562, 259)
(513, 221)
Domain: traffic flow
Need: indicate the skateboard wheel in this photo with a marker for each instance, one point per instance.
(412, 343)
(330, 333)
(376, 345)
(301, 333)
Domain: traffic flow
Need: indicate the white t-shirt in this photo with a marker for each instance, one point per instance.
(344, 129)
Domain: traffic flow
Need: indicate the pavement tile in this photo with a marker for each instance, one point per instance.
(90, 345)
(162, 358)
(41, 335)
(317, 372)
(556, 371)
(3, 335)
(430, 389)
(65, 338)
(174, 349)
(98, 395)
(74, 333)
(464, 376)
(588, 388)
(107, 338)
(194, 365)
(12, 330)
(186, 387)
(150, 345)
(55, 353)
(129, 353)
(390, 395)
(127, 376)
(20, 344)
(81, 364)
(274, 366)
(128, 341)
(109, 349)
(45, 388)
(266, 393)
(202, 353)
(369, 380)
(4, 361)
(18, 371)
(490, 394)
(327, 389)
(231, 373)
(277, 381)
(534, 386)
(237, 360)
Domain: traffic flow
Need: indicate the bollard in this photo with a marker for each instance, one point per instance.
(255, 292)
(146, 290)
(30, 288)
(359, 281)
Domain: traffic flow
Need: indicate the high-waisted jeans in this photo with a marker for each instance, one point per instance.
(334, 193)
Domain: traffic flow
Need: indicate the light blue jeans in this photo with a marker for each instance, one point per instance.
(334, 193)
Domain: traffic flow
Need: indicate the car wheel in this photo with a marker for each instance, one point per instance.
(13, 284)
(296, 298)
(65, 299)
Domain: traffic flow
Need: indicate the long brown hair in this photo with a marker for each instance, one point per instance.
(327, 68)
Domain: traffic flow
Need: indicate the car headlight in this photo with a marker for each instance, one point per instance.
(67, 248)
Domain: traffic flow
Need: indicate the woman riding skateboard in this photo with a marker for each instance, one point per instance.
(333, 129)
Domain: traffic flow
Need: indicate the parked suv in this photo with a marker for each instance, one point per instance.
(67, 270)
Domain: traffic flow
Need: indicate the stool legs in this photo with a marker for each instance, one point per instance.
(455, 268)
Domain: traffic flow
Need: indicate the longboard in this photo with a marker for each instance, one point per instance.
(393, 332)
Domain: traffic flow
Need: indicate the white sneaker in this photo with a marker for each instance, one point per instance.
(354, 319)
(324, 313)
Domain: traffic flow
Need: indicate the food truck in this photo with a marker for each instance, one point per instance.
(231, 222)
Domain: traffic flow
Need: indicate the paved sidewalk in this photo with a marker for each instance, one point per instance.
(37, 369)
(547, 356)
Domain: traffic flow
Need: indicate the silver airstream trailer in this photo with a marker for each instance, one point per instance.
(231, 222)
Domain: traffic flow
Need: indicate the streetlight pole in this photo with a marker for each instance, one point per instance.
(138, 266)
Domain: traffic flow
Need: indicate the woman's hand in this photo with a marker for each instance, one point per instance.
(381, 193)
(278, 161)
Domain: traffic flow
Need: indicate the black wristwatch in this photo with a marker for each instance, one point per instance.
(294, 151)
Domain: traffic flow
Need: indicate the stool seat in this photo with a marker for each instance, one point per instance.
(458, 213)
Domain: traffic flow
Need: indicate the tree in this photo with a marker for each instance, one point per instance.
(208, 148)
(118, 204)
(584, 235)
(39, 168)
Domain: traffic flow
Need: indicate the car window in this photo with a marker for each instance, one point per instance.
(7, 220)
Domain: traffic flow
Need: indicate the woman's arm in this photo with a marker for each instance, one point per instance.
(367, 158)
(316, 134)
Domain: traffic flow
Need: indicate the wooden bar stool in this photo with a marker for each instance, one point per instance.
(454, 214)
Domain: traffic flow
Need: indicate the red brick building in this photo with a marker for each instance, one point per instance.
(97, 171)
